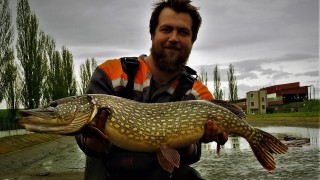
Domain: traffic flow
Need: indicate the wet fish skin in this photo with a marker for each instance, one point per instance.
(148, 127)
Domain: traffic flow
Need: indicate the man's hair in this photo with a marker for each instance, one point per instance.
(180, 6)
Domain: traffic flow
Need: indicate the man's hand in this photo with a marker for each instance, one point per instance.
(211, 133)
(188, 150)
(98, 121)
(99, 145)
(101, 120)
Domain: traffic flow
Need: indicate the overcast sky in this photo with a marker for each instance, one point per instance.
(268, 42)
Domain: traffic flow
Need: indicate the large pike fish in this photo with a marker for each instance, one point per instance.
(151, 127)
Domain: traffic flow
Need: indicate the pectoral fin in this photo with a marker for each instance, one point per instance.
(168, 158)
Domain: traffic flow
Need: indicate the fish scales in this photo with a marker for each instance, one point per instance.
(162, 125)
(148, 127)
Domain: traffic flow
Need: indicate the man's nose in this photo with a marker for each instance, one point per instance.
(174, 37)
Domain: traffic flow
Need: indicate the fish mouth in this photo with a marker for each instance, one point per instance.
(46, 120)
(26, 113)
(42, 116)
(38, 112)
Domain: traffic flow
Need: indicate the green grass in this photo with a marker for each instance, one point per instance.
(305, 106)
(295, 114)
(310, 120)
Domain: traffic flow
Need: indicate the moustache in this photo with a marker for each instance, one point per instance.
(172, 46)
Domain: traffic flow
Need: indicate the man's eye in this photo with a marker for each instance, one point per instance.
(184, 32)
(165, 30)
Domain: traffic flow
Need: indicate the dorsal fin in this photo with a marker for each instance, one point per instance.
(231, 107)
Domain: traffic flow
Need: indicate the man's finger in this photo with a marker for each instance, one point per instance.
(102, 119)
(214, 130)
(208, 131)
(223, 138)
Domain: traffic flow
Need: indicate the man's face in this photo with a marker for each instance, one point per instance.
(172, 40)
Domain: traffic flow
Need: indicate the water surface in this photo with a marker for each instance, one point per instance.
(237, 160)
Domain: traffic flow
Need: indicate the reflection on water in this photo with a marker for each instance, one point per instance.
(47, 165)
(236, 142)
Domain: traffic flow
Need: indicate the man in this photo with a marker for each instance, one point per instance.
(174, 25)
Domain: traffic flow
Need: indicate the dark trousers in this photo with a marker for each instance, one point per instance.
(96, 170)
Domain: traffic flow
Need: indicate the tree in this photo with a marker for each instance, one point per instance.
(68, 71)
(203, 76)
(6, 39)
(57, 83)
(86, 71)
(12, 89)
(31, 54)
(56, 86)
(60, 75)
(50, 79)
(218, 94)
(233, 90)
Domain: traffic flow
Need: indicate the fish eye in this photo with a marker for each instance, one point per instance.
(53, 104)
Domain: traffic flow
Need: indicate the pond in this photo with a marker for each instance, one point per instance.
(237, 160)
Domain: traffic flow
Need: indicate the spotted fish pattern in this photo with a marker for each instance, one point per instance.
(148, 127)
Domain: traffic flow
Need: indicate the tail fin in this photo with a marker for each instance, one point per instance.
(264, 149)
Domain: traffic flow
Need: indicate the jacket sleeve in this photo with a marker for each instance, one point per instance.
(199, 91)
(99, 83)
(196, 156)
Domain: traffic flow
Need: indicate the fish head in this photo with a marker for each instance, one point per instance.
(63, 116)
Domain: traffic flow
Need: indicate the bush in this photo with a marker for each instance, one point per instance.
(305, 106)
(8, 120)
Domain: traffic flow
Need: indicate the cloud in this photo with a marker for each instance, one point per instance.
(267, 42)
(252, 74)
(310, 74)
(250, 68)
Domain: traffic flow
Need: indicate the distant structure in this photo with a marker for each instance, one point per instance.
(257, 102)
(286, 93)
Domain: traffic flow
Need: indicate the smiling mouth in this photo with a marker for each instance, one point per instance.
(172, 48)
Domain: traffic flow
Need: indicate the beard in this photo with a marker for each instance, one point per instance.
(169, 60)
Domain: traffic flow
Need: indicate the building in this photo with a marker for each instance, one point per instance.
(257, 102)
(286, 93)
(242, 103)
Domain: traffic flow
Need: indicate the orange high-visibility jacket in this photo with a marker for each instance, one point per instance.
(110, 78)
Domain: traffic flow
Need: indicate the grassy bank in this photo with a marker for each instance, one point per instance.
(300, 119)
